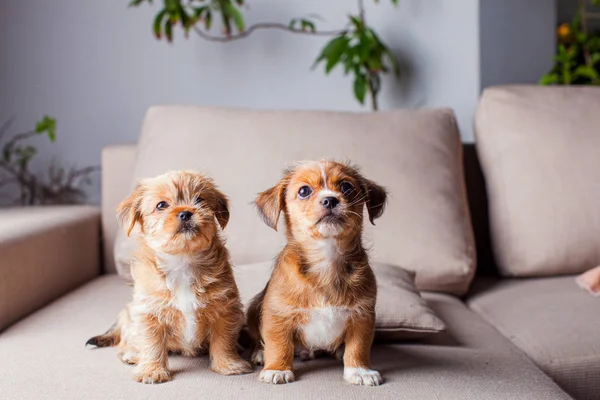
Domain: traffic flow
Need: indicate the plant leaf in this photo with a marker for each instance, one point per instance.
(360, 88)
(208, 19)
(307, 25)
(584, 71)
(236, 15)
(169, 30)
(47, 125)
(135, 3)
(156, 26)
(332, 52)
(6, 153)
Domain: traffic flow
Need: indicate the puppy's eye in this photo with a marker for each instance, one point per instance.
(304, 192)
(162, 205)
(198, 200)
(347, 188)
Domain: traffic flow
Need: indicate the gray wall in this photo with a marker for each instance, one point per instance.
(517, 40)
(96, 67)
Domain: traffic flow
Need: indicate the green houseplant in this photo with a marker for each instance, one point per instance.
(577, 61)
(356, 47)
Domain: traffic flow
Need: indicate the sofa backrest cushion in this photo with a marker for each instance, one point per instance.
(540, 152)
(416, 154)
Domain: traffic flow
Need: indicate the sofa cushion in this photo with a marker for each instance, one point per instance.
(540, 153)
(416, 154)
(470, 361)
(401, 312)
(554, 322)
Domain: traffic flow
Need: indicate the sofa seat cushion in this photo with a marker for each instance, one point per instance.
(470, 361)
(554, 322)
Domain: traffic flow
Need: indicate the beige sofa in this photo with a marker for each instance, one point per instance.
(508, 338)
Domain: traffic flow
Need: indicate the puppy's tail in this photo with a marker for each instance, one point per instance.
(111, 337)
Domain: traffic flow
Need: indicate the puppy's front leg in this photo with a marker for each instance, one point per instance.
(225, 359)
(357, 360)
(278, 338)
(152, 364)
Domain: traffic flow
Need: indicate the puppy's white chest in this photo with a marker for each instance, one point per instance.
(325, 326)
(180, 282)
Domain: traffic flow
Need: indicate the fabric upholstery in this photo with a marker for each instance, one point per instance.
(540, 153)
(554, 322)
(401, 311)
(470, 361)
(44, 253)
(117, 167)
(416, 154)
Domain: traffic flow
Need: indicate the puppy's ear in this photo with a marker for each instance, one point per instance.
(129, 211)
(270, 203)
(376, 199)
(221, 208)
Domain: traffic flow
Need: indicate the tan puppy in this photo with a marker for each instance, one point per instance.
(185, 296)
(322, 292)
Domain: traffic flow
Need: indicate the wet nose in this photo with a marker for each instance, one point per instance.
(185, 215)
(330, 202)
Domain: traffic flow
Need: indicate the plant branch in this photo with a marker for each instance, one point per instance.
(21, 136)
(264, 25)
(9, 169)
(6, 181)
(584, 27)
(361, 10)
(5, 126)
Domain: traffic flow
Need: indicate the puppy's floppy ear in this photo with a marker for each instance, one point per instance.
(129, 211)
(376, 199)
(221, 208)
(270, 203)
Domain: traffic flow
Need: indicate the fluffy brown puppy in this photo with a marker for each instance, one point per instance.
(322, 292)
(185, 296)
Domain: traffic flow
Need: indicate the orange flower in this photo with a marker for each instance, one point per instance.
(563, 31)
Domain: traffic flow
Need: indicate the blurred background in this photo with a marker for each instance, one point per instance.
(95, 66)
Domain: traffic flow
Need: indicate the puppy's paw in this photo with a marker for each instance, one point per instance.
(232, 367)
(276, 377)
(152, 375)
(129, 357)
(362, 377)
(257, 357)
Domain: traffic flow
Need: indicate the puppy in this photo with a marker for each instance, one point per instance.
(185, 296)
(322, 292)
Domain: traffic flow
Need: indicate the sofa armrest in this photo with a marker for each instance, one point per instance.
(44, 253)
(117, 168)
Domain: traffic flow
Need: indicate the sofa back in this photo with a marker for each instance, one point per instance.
(117, 169)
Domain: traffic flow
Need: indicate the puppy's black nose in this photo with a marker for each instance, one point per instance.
(185, 215)
(330, 202)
